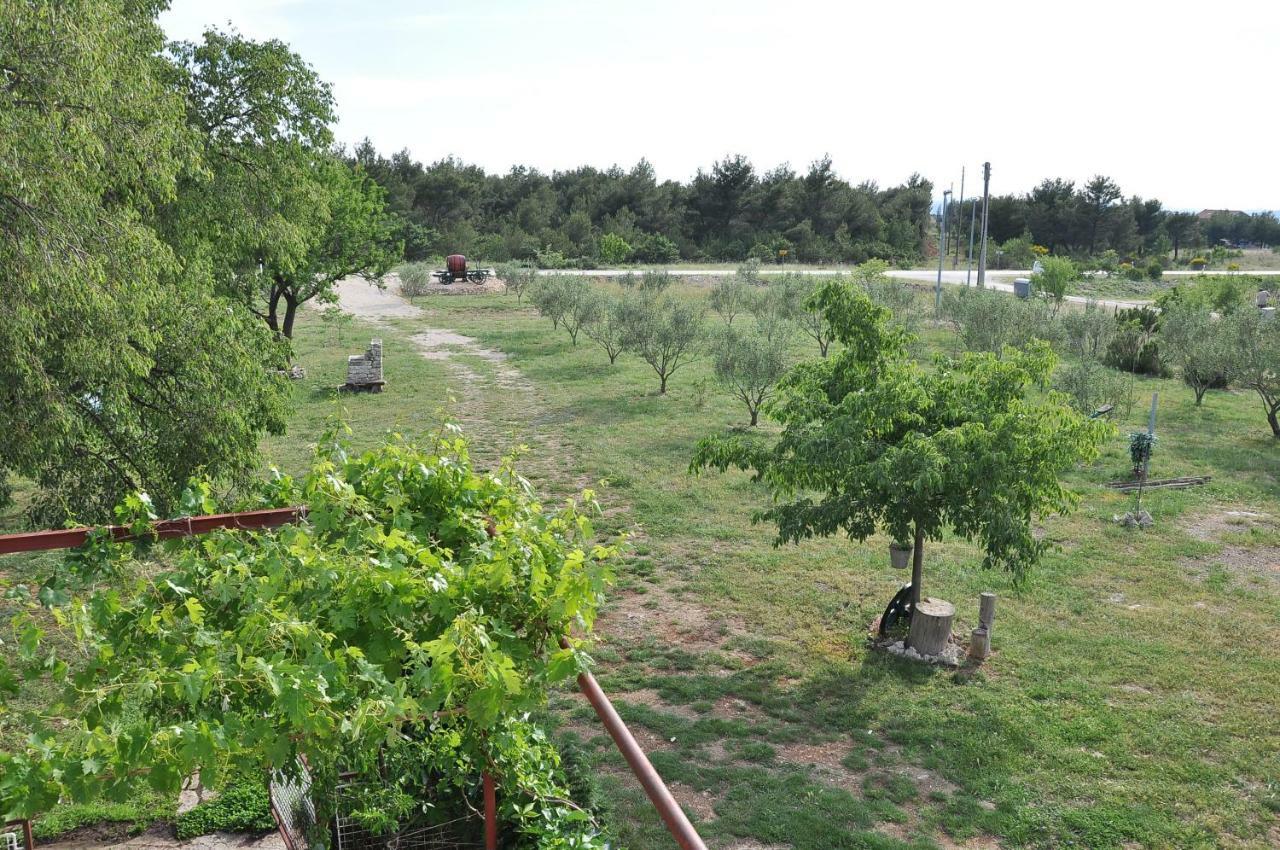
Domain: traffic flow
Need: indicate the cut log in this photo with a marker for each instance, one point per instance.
(979, 644)
(1161, 483)
(986, 610)
(931, 626)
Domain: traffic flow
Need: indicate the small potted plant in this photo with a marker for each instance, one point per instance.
(900, 554)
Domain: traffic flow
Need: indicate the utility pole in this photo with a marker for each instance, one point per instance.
(955, 260)
(973, 213)
(982, 250)
(942, 250)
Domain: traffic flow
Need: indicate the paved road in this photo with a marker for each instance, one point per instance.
(1000, 281)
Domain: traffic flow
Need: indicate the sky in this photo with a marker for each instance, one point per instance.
(1173, 100)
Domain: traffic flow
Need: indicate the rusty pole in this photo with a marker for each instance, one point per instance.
(490, 813)
(672, 815)
(69, 538)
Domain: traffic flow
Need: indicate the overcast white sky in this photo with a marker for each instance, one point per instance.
(1173, 100)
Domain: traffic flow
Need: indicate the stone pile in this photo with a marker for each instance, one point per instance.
(364, 371)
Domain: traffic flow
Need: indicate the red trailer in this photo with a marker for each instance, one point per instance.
(456, 269)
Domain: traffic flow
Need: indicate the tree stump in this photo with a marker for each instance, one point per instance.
(931, 626)
(980, 644)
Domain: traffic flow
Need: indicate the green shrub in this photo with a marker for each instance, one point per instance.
(655, 248)
(1155, 271)
(614, 250)
(1220, 293)
(1134, 349)
(1131, 272)
(415, 278)
(549, 258)
(242, 805)
(1198, 263)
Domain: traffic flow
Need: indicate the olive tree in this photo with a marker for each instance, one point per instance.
(1086, 378)
(895, 295)
(608, 325)
(989, 321)
(415, 279)
(1198, 345)
(1255, 360)
(550, 297)
(729, 297)
(871, 440)
(517, 279)
(749, 363)
(581, 304)
(665, 332)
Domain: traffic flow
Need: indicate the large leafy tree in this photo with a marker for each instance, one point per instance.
(277, 216)
(873, 441)
(120, 368)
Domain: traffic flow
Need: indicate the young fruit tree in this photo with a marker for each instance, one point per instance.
(1055, 276)
(873, 441)
(750, 363)
(664, 331)
(414, 619)
(796, 290)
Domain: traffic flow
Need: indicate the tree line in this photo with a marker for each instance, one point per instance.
(1096, 217)
(584, 216)
(731, 212)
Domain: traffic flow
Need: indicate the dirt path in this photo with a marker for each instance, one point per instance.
(496, 405)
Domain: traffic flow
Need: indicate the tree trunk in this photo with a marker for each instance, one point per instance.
(755, 416)
(1275, 423)
(273, 309)
(662, 384)
(1200, 394)
(917, 567)
(290, 313)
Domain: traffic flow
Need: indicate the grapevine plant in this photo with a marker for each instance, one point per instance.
(412, 621)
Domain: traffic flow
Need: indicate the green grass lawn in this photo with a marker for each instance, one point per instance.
(1131, 700)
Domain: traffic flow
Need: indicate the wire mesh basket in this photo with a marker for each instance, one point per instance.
(293, 805)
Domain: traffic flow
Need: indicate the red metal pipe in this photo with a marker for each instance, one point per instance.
(26, 832)
(490, 813)
(69, 538)
(672, 815)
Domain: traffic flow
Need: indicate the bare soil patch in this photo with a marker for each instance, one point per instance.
(700, 804)
(1213, 526)
(1245, 562)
